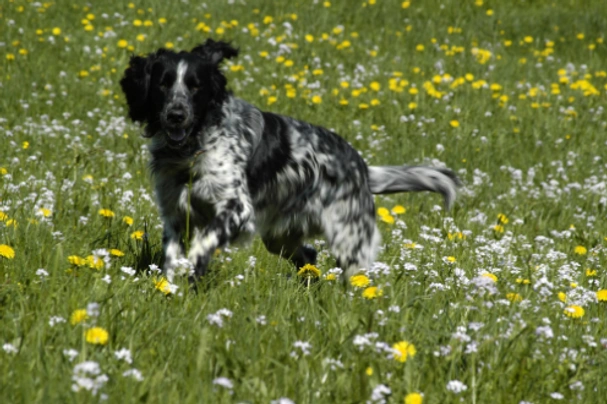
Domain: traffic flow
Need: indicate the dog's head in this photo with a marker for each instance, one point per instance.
(174, 92)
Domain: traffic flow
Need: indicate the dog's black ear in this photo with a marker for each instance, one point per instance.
(216, 51)
(135, 84)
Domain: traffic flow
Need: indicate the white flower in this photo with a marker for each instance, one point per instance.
(455, 386)
(379, 394)
(54, 320)
(282, 400)
(128, 270)
(10, 348)
(92, 309)
(70, 353)
(557, 396)
(304, 346)
(218, 317)
(107, 279)
(124, 354)
(134, 373)
(224, 382)
(42, 273)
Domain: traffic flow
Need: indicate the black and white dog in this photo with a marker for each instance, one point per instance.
(223, 168)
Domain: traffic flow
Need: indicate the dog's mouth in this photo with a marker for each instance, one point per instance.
(176, 136)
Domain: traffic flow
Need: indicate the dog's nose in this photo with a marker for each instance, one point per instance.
(176, 116)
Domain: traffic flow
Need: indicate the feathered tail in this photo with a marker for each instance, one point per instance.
(391, 179)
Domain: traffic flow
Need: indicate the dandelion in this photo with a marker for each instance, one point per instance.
(601, 295)
(163, 285)
(309, 38)
(76, 260)
(580, 250)
(372, 292)
(123, 43)
(106, 213)
(454, 123)
(96, 336)
(375, 86)
(94, 262)
(490, 276)
(514, 297)
(116, 253)
(403, 350)
(574, 311)
(360, 281)
(399, 210)
(137, 235)
(309, 271)
(317, 99)
(7, 252)
(562, 297)
(414, 398)
(127, 220)
(78, 316)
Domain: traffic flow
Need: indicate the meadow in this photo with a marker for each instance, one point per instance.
(503, 299)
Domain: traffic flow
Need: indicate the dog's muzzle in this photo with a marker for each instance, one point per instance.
(177, 123)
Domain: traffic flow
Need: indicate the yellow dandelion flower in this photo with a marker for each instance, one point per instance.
(360, 281)
(451, 259)
(309, 271)
(137, 235)
(580, 250)
(45, 212)
(414, 398)
(106, 213)
(562, 297)
(83, 74)
(387, 219)
(405, 4)
(317, 99)
(309, 38)
(601, 295)
(3, 216)
(163, 285)
(330, 277)
(7, 251)
(375, 86)
(403, 350)
(76, 260)
(503, 219)
(78, 316)
(498, 228)
(116, 253)
(127, 220)
(514, 297)
(574, 311)
(97, 336)
(420, 48)
(140, 37)
(454, 123)
(490, 276)
(267, 19)
(399, 210)
(123, 43)
(412, 105)
(372, 292)
(369, 371)
(56, 31)
(95, 262)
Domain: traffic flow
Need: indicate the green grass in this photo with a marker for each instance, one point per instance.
(529, 144)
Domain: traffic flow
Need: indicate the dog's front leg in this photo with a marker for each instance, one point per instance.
(173, 249)
(233, 216)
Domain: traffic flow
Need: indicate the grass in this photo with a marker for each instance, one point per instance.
(510, 94)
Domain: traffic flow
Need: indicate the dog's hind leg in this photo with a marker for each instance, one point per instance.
(352, 234)
(292, 248)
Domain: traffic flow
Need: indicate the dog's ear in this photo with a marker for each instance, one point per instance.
(215, 51)
(135, 84)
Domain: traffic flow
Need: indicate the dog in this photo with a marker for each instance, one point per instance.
(224, 169)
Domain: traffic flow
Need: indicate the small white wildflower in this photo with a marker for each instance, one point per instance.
(128, 270)
(42, 273)
(9, 348)
(124, 354)
(54, 320)
(92, 309)
(261, 320)
(107, 279)
(224, 382)
(70, 353)
(455, 386)
(380, 394)
(282, 400)
(557, 396)
(134, 373)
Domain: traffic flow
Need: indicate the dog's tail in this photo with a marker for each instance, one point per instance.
(391, 179)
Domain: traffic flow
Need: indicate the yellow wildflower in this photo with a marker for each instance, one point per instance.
(78, 316)
(360, 281)
(137, 235)
(76, 260)
(163, 285)
(7, 251)
(309, 271)
(403, 350)
(127, 220)
(580, 250)
(106, 213)
(372, 292)
(116, 253)
(514, 297)
(601, 295)
(97, 336)
(399, 210)
(490, 276)
(414, 398)
(574, 311)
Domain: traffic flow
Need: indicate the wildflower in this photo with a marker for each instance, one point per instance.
(562, 297)
(78, 316)
(369, 371)
(137, 235)
(490, 276)
(456, 386)
(360, 281)
(96, 336)
(399, 210)
(123, 43)
(601, 295)
(309, 271)
(309, 38)
(580, 250)
(330, 277)
(94, 262)
(56, 31)
(454, 123)
(503, 219)
(375, 86)
(10, 348)
(116, 253)
(372, 292)
(106, 213)
(514, 297)
(163, 285)
(317, 99)
(76, 260)
(403, 350)
(127, 220)
(574, 311)
(414, 398)
(224, 382)
(591, 272)
(7, 252)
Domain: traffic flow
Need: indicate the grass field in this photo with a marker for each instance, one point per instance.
(501, 300)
